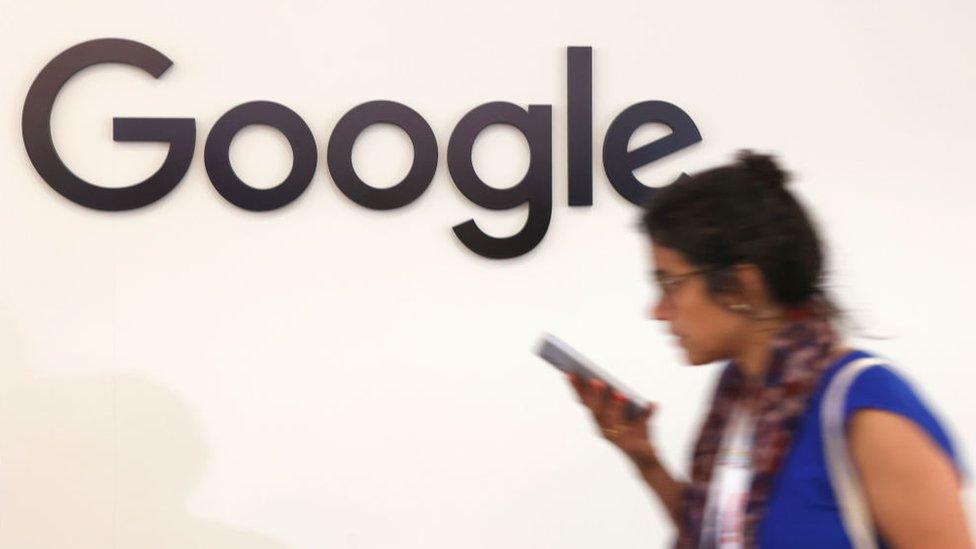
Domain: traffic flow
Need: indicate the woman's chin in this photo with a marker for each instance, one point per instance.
(695, 358)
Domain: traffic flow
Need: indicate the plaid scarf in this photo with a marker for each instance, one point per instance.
(801, 352)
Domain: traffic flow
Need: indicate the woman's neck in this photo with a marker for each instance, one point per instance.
(754, 356)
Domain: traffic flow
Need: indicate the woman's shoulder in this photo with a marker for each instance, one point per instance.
(881, 386)
(878, 385)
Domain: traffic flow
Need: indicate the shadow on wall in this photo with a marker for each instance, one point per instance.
(101, 461)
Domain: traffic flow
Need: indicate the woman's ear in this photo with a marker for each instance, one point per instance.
(752, 283)
(744, 289)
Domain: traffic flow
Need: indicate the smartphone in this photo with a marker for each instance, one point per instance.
(566, 359)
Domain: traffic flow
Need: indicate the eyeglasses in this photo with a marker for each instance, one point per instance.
(669, 284)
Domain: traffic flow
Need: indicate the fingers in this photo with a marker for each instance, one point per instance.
(593, 393)
(610, 409)
(606, 405)
(577, 384)
(614, 412)
(645, 414)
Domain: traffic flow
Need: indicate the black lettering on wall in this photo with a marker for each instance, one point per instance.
(579, 87)
(179, 133)
(216, 155)
(344, 136)
(620, 163)
(535, 189)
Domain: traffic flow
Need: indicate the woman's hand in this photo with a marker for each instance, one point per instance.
(633, 439)
(609, 411)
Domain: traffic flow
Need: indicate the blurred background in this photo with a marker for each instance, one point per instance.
(191, 374)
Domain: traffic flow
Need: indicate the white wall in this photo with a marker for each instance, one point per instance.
(330, 376)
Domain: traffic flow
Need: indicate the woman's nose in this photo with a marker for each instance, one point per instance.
(659, 309)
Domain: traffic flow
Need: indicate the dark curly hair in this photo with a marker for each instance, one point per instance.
(742, 213)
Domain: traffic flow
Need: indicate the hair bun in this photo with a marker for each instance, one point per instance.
(763, 168)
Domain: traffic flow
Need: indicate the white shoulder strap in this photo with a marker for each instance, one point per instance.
(854, 510)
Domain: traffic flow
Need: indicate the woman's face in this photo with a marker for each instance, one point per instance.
(706, 329)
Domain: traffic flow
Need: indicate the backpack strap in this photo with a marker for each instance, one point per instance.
(854, 510)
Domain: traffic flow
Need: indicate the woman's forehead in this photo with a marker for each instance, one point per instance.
(668, 260)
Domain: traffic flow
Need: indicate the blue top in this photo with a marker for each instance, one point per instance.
(802, 511)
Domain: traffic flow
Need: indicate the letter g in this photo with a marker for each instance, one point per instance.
(179, 133)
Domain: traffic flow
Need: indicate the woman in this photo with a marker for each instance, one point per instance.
(739, 267)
